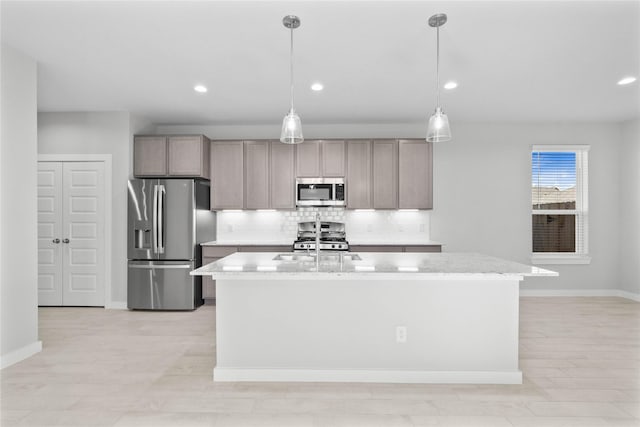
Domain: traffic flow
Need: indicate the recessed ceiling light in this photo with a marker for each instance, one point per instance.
(200, 89)
(626, 81)
(450, 85)
(317, 87)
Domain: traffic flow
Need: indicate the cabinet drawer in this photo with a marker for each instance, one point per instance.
(423, 248)
(371, 248)
(218, 251)
(264, 248)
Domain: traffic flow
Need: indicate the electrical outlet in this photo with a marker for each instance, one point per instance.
(229, 228)
(422, 228)
(401, 334)
(369, 228)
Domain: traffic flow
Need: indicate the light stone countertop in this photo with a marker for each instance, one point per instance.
(370, 266)
(289, 242)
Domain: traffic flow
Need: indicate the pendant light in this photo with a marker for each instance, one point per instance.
(291, 127)
(438, 129)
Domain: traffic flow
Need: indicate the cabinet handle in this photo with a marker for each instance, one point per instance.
(65, 240)
(56, 241)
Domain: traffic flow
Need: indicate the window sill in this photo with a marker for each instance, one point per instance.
(555, 258)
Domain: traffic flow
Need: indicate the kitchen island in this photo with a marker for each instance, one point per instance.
(368, 317)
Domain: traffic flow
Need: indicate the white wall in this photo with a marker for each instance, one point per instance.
(99, 133)
(630, 207)
(482, 198)
(482, 182)
(18, 218)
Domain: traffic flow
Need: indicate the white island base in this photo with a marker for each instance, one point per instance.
(347, 326)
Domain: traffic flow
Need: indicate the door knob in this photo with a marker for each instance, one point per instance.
(65, 240)
(56, 241)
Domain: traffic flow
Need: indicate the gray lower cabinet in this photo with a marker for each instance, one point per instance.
(256, 174)
(282, 176)
(415, 174)
(384, 181)
(227, 175)
(396, 248)
(214, 253)
(176, 155)
(358, 175)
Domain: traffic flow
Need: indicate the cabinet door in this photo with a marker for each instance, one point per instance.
(189, 156)
(308, 159)
(208, 284)
(256, 174)
(149, 156)
(211, 254)
(333, 162)
(423, 248)
(371, 248)
(227, 175)
(415, 174)
(282, 176)
(358, 179)
(385, 174)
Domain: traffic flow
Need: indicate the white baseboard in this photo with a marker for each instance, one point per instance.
(116, 305)
(20, 354)
(367, 376)
(629, 295)
(579, 293)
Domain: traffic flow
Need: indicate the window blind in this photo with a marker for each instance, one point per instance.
(558, 201)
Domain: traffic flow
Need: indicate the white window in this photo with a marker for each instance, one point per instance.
(559, 204)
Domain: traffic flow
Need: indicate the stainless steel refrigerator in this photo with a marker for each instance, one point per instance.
(168, 219)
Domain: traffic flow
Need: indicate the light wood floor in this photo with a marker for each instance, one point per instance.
(580, 358)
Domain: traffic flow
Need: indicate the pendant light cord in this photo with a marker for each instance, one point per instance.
(291, 65)
(438, 67)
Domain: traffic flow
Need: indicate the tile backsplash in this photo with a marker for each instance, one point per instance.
(379, 226)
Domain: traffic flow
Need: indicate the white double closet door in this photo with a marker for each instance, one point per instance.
(71, 233)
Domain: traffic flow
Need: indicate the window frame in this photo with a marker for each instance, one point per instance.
(581, 212)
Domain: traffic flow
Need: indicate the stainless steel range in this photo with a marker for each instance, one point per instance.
(332, 237)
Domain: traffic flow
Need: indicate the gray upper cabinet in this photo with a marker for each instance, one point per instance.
(256, 174)
(282, 176)
(320, 158)
(415, 174)
(260, 174)
(308, 159)
(385, 174)
(227, 175)
(161, 155)
(358, 176)
(150, 156)
(332, 156)
(189, 156)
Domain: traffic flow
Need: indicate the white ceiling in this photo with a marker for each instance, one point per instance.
(513, 60)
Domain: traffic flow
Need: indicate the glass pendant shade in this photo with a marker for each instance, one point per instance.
(291, 132)
(291, 129)
(438, 129)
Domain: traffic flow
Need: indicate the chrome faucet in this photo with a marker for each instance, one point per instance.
(318, 231)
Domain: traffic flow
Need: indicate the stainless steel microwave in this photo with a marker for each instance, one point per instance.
(320, 192)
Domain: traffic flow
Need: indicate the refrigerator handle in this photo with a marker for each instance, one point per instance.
(155, 220)
(161, 209)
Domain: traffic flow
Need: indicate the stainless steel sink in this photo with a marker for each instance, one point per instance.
(304, 257)
(294, 257)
